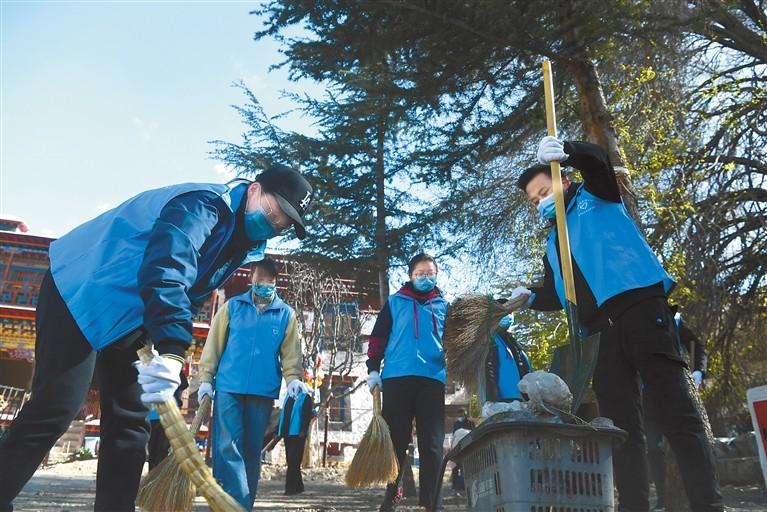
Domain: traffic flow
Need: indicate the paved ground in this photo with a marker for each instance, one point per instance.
(70, 487)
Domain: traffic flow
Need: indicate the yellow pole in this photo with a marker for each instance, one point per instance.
(559, 198)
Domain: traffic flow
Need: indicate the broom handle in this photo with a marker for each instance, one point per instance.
(376, 400)
(201, 415)
(559, 198)
(185, 450)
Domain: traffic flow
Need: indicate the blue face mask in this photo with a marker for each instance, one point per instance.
(258, 227)
(424, 284)
(546, 207)
(506, 321)
(264, 291)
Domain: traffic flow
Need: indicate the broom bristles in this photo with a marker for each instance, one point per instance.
(166, 488)
(470, 323)
(375, 461)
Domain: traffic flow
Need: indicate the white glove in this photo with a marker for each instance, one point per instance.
(550, 149)
(697, 377)
(520, 291)
(206, 388)
(295, 387)
(374, 379)
(159, 379)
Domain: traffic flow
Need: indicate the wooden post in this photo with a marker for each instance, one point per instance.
(325, 443)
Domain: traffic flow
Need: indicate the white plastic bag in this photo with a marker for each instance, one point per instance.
(491, 408)
(458, 435)
(547, 392)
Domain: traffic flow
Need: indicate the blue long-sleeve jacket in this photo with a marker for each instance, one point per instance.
(152, 262)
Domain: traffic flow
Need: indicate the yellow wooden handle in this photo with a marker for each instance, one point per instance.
(377, 400)
(186, 453)
(559, 197)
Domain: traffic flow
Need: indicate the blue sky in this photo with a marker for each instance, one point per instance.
(101, 101)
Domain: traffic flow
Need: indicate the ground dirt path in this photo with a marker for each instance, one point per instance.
(70, 487)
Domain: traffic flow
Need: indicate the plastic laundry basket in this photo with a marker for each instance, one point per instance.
(530, 466)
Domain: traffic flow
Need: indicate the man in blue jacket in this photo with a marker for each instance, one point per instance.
(140, 271)
(621, 290)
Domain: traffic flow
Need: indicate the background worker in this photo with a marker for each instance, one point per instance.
(252, 345)
(407, 338)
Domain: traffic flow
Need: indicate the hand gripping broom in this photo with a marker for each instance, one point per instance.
(166, 487)
(471, 321)
(188, 459)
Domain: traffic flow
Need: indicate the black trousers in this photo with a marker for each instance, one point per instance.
(294, 454)
(642, 344)
(655, 456)
(422, 399)
(159, 446)
(64, 366)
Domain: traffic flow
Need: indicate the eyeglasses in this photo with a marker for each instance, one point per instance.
(422, 274)
(272, 217)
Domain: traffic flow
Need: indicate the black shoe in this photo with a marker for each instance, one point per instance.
(391, 499)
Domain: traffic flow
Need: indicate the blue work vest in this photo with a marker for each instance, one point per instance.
(508, 373)
(95, 266)
(292, 425)
(250, 363)
(415, 342)
(608, 248)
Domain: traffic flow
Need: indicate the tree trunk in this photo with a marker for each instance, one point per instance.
(676, 498)
(381, 250)
(598, 126)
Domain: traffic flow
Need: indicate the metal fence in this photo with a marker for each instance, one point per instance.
(11, 401)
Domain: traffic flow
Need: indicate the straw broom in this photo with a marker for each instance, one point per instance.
(470, 323)
(186, 454)
(375, 461)
(166, 487)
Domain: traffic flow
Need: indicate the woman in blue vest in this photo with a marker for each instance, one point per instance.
(252, 345)
(621, 291)
(295, 417)
(505, 366)
(140, 271)
(407, 338)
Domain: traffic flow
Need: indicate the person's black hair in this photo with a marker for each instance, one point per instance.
(530, 173)
(418, 258)
(267, 265)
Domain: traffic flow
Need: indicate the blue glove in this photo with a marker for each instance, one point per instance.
(506, 321)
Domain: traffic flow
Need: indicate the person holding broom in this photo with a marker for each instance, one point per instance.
(252, 345)
(137, 273)
(407, 338)
(622, 292)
